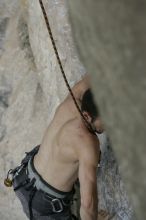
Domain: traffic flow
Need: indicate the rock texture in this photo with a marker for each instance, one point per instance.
(111, 38)
(23, 108)
(31, 87)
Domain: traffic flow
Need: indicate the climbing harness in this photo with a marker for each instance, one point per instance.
(12, 173)
(8, 181)
(61, 67)
(29, 184)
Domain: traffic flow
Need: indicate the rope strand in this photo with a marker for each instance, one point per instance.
(61, 67)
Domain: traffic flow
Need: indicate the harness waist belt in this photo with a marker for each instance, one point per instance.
(41, 184)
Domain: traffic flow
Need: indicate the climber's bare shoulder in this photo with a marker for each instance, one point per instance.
(77, 94)
(66, 111)
(86, 140)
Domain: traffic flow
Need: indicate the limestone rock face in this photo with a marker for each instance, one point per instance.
(111, 38)
(31, 87)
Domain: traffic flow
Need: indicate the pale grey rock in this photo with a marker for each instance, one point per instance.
(113, 195)
(23, 106)
(48, 70)
(3, 25)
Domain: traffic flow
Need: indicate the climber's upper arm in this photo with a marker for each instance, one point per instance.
(88, 160)
(80, 87)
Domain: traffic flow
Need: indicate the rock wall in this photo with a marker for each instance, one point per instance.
(22, 101)
(31, 87)
(111, 39)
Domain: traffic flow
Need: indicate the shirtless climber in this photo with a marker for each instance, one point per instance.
(44, 182)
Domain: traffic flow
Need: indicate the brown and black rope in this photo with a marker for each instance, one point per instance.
(61, 67)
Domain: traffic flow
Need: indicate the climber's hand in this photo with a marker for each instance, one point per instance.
(103, 215)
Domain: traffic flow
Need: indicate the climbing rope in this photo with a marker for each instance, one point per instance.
(61, 67)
